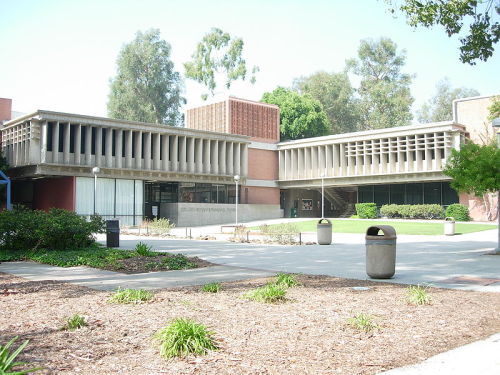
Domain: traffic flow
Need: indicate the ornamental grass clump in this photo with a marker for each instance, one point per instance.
(126, 296)
(363, 322)
(418, 295)
(286, 280)
(183, 337)
(211, 288)
(7, 359)
(144, 250)
(75, 322)
(270, 293)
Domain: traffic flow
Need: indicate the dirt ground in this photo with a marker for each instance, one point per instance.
(308, 334)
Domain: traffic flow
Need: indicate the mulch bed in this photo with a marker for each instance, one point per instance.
(307, 334)
(142, 264)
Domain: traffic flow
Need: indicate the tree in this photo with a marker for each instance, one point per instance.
(494, 109)
(146, 87)
(301, 116)
(439, 108)
(218, 57)
(483, 33)
(3, 163)
(336, 95)
(385, 98)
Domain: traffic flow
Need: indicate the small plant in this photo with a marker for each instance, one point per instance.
(75, 322)
(269, 293)
(152, 266)
(284, 233)
(144, 250)
(418, 295)
(160, 226)
(183, 337)
(7, 359)
(363, 322)
(366, 210)
(178, 262)
(131, 296)
(286, 280)
(211, 288)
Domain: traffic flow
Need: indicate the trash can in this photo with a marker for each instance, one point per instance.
(293, 212)
(381, 252)
(449, 226)
(113, 233)
(324, 232)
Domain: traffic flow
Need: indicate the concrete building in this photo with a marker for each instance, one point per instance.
(187, 174)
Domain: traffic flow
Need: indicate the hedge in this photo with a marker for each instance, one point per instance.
(458, 211)
(417, 211)
(23, 229)
(366, 210)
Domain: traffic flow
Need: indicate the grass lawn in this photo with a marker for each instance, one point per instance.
(360, 226)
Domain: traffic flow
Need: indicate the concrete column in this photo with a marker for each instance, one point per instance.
(428, 152)
(138, 150)
(244, 160)
(108, 148)
(174, 160)
(230, 165)
(281, 164)
(43, 142)
(119, 148)
(222, 158)
(165, 152)
(214, 157)
(55, 142)
(156, 151)
(375, 157)
(88, 145)
(437, 152)
(147, 150)
(66, 141)
(292, 163)
(366, 159)
(128, 148)
(78, 144)
(98, 146)
(206, 156)
(335, 160)
(199, 155)
(418, 154)
(237, 159)
(190, 154)
(182, 154)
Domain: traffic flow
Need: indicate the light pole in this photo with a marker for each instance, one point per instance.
(236, 179)
(496, 125)
(323, 195)
(95, 172)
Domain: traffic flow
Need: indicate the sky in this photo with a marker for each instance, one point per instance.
(59, 55)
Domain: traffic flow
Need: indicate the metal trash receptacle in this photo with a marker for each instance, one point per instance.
(113, 233)
(293, 212)
(324, 231)
(449, 226)
(381, 252)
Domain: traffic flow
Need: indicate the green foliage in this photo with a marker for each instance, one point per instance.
(418, 295)
(474, 169)
(363, 322)
(494, 108)
(127, 296)
(3, 162)
(146, 87)
(75, 322)
(160, 226)
(482, 35)
(7, 359)
(23, 229)
(385, 98)
(283, 233)
(336, 95)
(270, 293)
(416, 211)
(211, 288)
(366, 210)
(301, 116)
(439, 108)
(144, 250)
(178, 262)
(458, 211)
(286, 280)
(218, 55)
(183, 337)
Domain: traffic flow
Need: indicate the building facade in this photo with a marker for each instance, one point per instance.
(188, 174)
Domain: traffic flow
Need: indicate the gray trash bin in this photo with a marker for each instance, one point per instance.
(113, 233)
(324, 232)
(381, 251)
(449, 226)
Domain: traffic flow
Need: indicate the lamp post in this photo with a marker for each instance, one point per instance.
(95, 172)
(496, 125)
(323, 195)
(236, 179)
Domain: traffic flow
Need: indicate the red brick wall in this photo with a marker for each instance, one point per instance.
(260, 195)
(262, 164)
(5, 109)
(54, 193)
(257, 120)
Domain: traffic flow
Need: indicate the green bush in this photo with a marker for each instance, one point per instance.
(282, 233)
(23, 229)
(366, 210)
(416, 211)
(458, 211)
(160, 226)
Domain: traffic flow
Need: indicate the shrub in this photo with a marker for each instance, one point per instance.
(416, 211)
(183, 337)
(178, 262)
(269, 293)
(144, 250)
(366, 210)
(363, 322)
(75, 322)
(7, 359)
(211, 288)
(417, 295)
(458, 211)
(160, 226)
(131, 296)
(282, 233)
(286, 280)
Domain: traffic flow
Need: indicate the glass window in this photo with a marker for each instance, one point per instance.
(450, 196)
(203, 193)
(381, 194)
(365, 194)
(187, 192)
(414, 194)
(398, 194)
(432, 193)
(219, 193)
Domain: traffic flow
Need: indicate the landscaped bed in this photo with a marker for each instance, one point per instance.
(308, 333)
